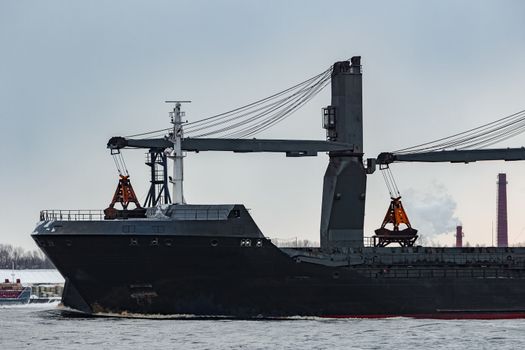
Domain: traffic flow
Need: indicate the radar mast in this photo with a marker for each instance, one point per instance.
(177, 155)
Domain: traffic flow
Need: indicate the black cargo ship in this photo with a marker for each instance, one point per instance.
(212, 260)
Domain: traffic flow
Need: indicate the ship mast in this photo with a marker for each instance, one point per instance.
(176, 138)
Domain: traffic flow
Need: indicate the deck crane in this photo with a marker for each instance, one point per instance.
(124, 194)
(344, 186)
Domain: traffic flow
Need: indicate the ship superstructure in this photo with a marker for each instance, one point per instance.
(212, 260)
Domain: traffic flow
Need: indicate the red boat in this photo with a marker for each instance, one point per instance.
(14, 293)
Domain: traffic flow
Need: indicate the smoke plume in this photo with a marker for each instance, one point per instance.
(431, 213)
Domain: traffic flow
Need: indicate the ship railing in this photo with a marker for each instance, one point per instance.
(72, 215)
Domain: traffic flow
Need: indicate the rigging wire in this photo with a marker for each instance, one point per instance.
(268, 115)
(455, 135)
(261, 100)
(503, 139)
(390, 182)
(272, 121)
(387, 183)
(264, 106)
(394, 184)
(149, 132)
(495, 137)
(498, 132)
(277, 103)
(481, 136)
(249, 126)
(120, 164)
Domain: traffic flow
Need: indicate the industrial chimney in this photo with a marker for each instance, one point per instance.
(459, 236)
(502, 228)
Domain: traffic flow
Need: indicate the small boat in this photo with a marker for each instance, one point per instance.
(14, 293)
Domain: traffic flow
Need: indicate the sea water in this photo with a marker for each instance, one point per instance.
(51, 327)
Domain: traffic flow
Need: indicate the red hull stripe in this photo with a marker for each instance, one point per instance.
(445, 315)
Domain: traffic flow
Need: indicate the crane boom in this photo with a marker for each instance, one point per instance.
(455, 156)
(292, 148)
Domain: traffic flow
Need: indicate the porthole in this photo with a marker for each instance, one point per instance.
(214, 242)
(168, 242)
(154, 242)
(133, 241)
(69, 243)
(259, 243)
(335, 275)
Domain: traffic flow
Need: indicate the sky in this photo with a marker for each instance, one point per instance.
(75, 73)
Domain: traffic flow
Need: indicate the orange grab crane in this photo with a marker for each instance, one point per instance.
(124, 194)
(396, 216)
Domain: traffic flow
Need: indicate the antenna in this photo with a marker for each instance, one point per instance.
(176, 138)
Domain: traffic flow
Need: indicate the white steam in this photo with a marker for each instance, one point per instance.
(431, 213)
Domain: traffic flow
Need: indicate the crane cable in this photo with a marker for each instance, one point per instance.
(478, 137)
(254, 117)
(281, 115)
(265, 110)
(390, 182)
(253, 121)
(120, 163)
(222, 115)
(262, 121)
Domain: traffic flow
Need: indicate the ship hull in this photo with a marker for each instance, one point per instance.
(217, 276)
